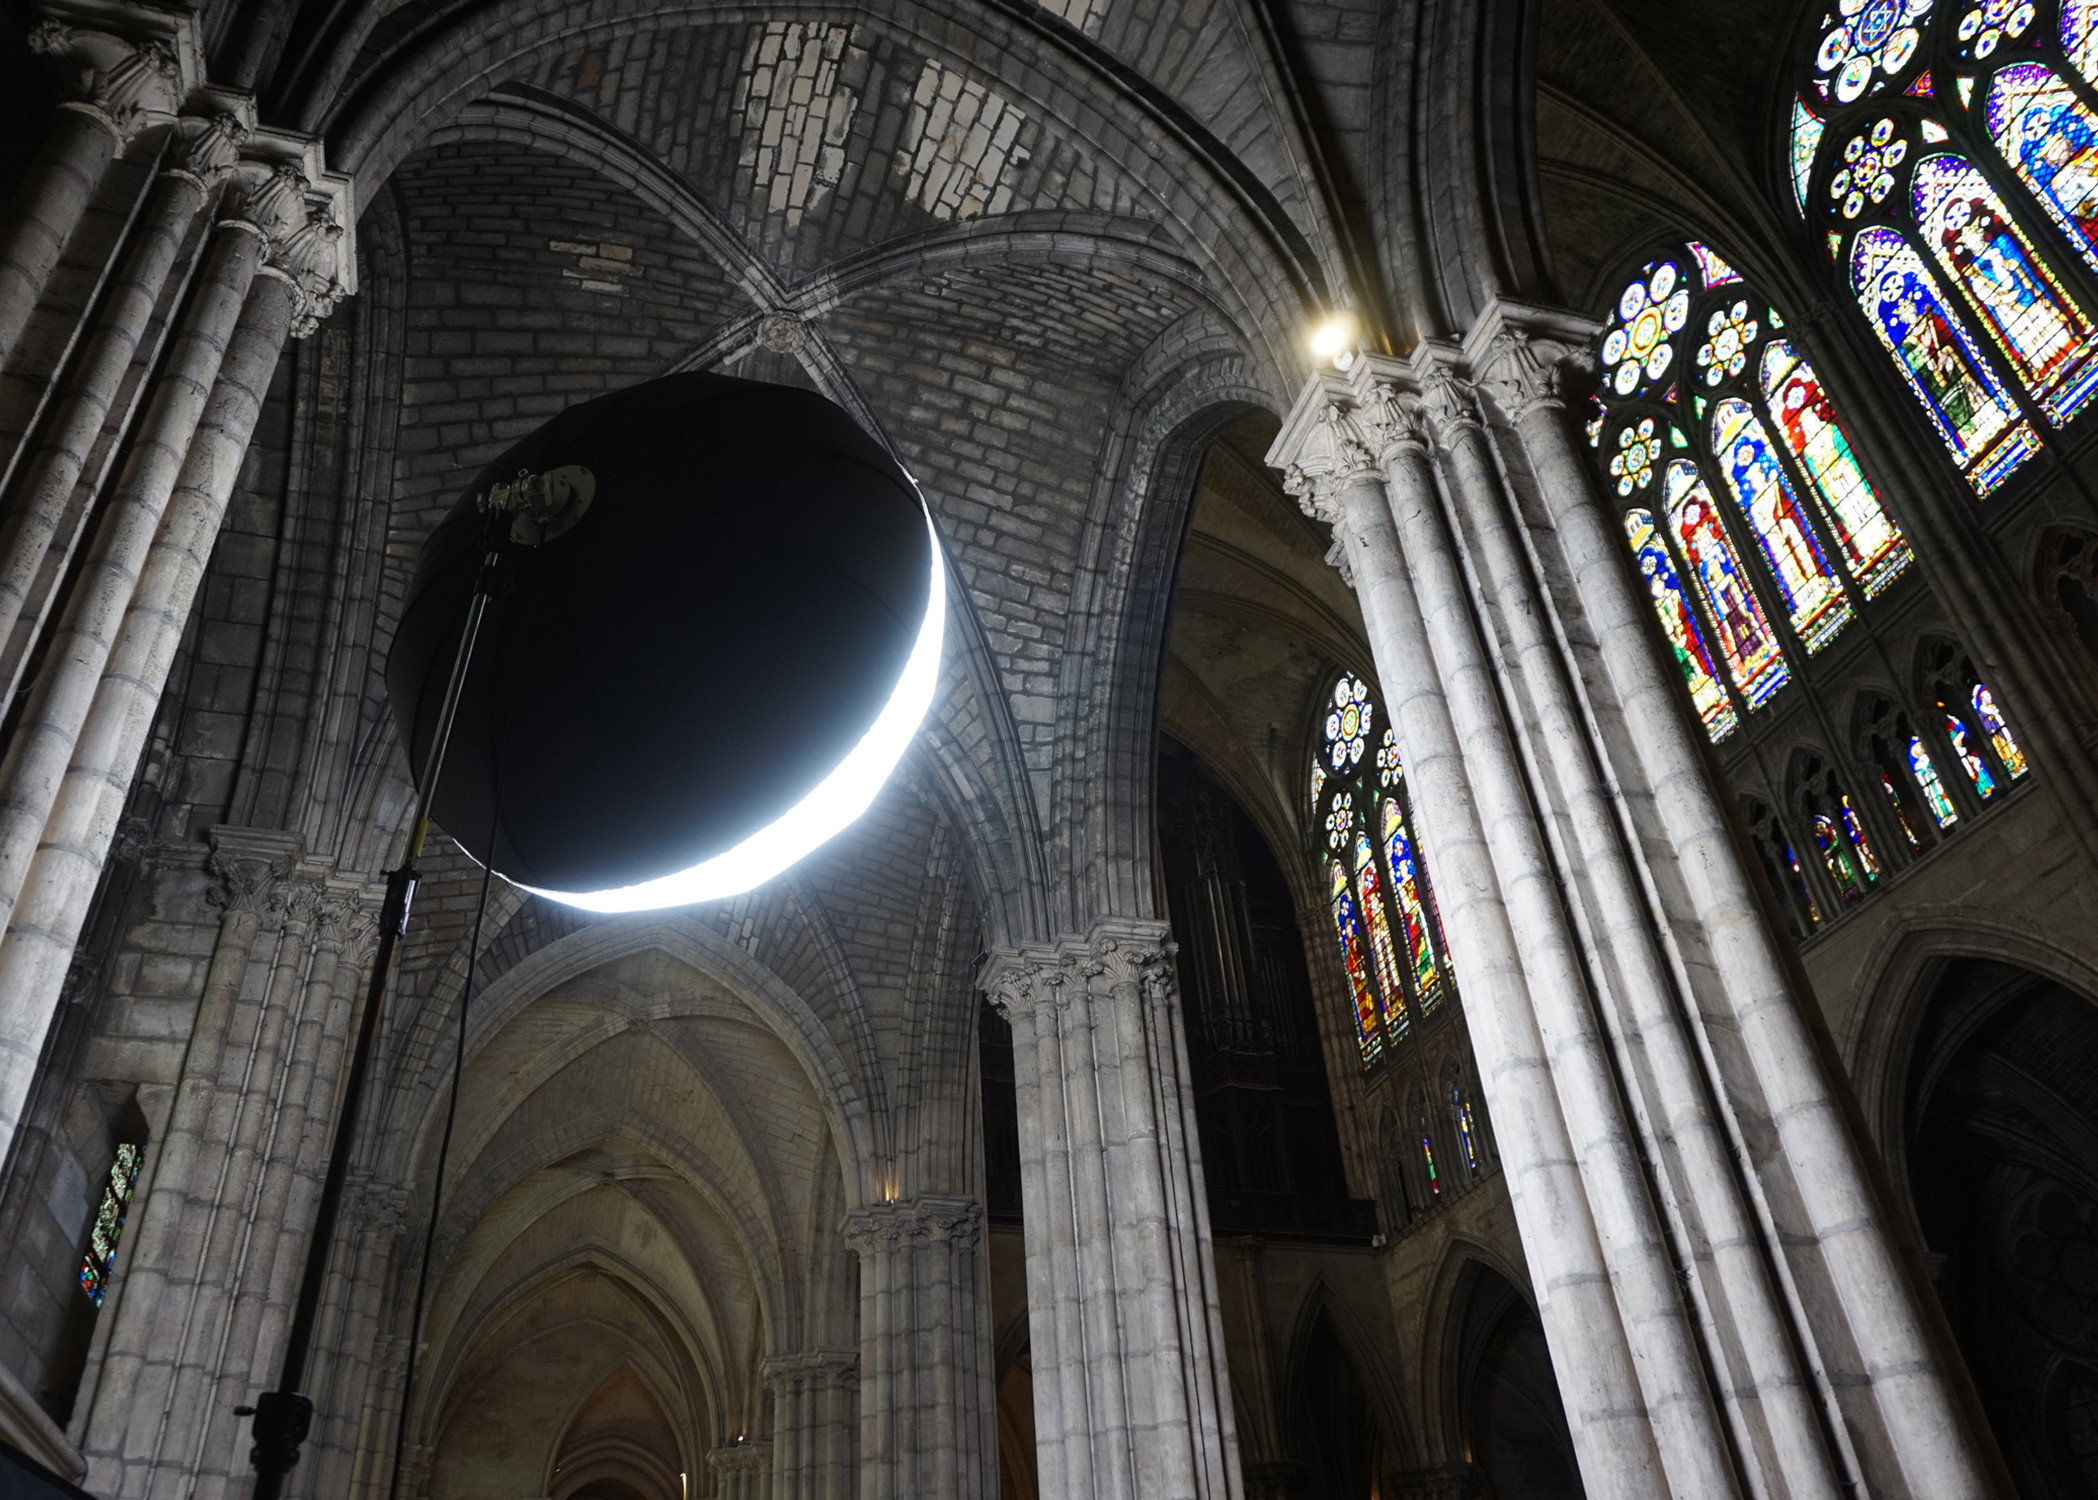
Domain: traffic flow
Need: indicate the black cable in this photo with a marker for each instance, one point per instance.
(444, 1149)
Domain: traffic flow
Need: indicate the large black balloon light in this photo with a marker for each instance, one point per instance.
(708, 665)
(662, 649)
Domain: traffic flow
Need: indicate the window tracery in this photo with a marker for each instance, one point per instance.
(1747, 504)
(1963, 220)
(1380, 899)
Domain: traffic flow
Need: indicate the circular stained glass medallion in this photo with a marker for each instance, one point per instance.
(1864, 44)
(1388, 769)
(1986, 26)
(1867, 173)
(1638, 450)
(1339, 821)
(1651, 311)
(1724, 352)
(1348, 725)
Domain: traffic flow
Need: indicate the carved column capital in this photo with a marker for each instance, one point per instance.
(740, 1457)
(123, 83)
(248, 879)
(304, 243)
(1449, 404)
(206, 149)
(1020, 981)
(931, 1219)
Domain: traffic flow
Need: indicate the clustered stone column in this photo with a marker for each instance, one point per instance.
(1126, 1341)
(925, 1391)
(198, 1317)
(814, 1411)
(104, 624)
(1726, 1311)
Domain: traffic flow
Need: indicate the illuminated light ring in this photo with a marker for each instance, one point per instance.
(831, 806)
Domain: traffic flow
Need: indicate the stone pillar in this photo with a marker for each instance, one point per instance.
(172, 1223)
(1855, 1310)
(1126, 1339)
(1666, 1098)
(40, 501)
(1767, 1393)
(814, 1411)
(924, 1387)
(1604, 1378)
(741, 1471)
(118, 85)
(70, 765)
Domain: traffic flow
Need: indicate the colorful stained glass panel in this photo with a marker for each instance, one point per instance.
(1984, 27)
(1639, 347)
(2051, 137)
(1971, 762)
(1685, 635)
(108, 1231)
(1866, 42)
(2079, 33)
(1746, 642)
(1348, 724)
(1999, 731)
(1872, 544)
(1413, 914)
(1715, 271)
(1370, 889)
(2049, 341)
(1806, 140)
(1813, 599)
(1855, 827)
(1937, 355)
(1926, 773)
(1367, 1034)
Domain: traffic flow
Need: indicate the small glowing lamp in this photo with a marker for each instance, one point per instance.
(696, 676)
(1334, 340)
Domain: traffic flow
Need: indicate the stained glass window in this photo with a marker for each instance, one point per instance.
(1976, 768)
(1956, 269)
(1467, 1131)
(1685, 635)
(1812, 596)
(1835, 853)
(1935, 352)
(1370, 888)
(1854, 828)
(1383, 905)
(1866, 42)
(2049, 342)
(2051, 137)
(2079, 36)
(1640, 347)
(1368, 1033)
(1926, 773)
(1743, 491)
(101, 1257)
(1806, 140)
(1746, 641)
(1901, 811)
(1998, 731)
(1873, 546)
(1407, 892)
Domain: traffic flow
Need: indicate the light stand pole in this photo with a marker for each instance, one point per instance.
(283, 1416)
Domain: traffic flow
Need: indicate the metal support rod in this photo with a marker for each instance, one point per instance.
(283, 1416)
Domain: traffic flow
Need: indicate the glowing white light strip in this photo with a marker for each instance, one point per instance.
(838, 800)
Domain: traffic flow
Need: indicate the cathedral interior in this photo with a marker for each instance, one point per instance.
(1499, 897)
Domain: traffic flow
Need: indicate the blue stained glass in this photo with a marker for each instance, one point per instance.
(2050, 343)
(1746, 641)
(1814, 600)
(1936, 354)
(1685, 635)
(2051, 137)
